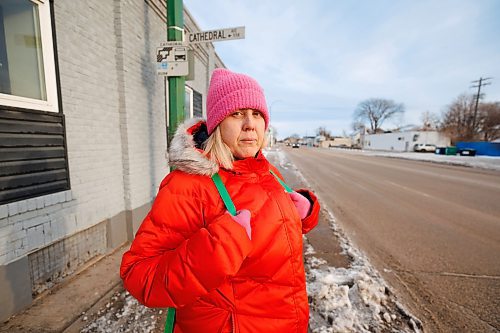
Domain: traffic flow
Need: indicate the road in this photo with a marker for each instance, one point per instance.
(432, 230)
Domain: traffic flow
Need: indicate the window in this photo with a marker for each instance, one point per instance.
(188, 103)
(33, 155)
(193, 104)
(197, 104)
(27, 70)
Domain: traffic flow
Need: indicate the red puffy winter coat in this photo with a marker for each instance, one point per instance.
(190, 254)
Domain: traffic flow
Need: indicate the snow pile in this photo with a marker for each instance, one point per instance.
(354, 299)
(123, 314)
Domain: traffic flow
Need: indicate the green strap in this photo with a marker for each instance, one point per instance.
(227, 198)
(169, 323)
(287, 188)
(224, 194)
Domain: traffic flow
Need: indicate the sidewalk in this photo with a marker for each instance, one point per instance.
(59, 308)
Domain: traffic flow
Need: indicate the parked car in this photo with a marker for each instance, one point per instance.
(424, 147)
(467, 152)
(295, 145)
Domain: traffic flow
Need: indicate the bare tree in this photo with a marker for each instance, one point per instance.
(376, 111)
(430, 121)
(489, 121)
(357, 126)
(324, 132)
(458, 119)
(294, 138)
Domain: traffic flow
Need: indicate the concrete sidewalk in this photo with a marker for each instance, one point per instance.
(58, 309)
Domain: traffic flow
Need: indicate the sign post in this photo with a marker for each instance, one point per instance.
(172, 58)
(175, 28)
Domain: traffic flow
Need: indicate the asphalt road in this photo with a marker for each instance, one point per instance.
(432, 230)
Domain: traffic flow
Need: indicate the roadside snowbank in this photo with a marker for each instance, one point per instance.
(483, 162)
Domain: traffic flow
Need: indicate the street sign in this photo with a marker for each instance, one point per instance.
(171, 43)
(216, 35)
(172, 59)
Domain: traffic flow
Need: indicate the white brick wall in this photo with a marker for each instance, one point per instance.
(114, 109)
(88, 73)
(142, 30)
(27, 225)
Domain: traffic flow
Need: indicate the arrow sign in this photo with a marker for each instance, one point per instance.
(216, 35)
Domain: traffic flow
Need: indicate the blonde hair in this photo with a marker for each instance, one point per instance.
(217, 151)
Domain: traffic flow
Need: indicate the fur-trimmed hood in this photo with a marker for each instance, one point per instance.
(186, 153)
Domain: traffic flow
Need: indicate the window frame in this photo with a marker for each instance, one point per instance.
(188, 92)
(51, 104)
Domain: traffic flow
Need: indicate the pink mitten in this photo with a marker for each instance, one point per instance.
(301, 203)
(242, 217)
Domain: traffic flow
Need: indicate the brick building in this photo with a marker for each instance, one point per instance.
(82, 132)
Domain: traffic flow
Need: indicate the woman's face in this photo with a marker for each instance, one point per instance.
(243, 131)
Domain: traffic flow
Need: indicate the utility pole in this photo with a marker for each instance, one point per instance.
(176, 89)
(481, 82)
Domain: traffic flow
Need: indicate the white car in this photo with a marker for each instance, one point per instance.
(424, 147)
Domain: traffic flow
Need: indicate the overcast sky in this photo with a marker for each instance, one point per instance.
(317, 59)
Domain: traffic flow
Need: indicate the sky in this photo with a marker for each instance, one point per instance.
(317, 60)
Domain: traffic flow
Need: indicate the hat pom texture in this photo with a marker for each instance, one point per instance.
(228, 92)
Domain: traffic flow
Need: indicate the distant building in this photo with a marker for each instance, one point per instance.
(308, 141)
(340, 142)
(83, 132)
(403, 141)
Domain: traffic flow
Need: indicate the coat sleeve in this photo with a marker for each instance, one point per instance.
(174, 259)
(310, 221)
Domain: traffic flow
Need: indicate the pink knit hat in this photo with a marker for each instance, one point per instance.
(228, 92)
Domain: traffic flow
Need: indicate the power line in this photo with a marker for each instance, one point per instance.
(481, 82)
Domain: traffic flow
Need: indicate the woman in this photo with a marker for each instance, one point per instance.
(224, 273)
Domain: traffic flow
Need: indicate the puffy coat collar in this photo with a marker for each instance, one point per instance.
(186, 153)
(258, 165)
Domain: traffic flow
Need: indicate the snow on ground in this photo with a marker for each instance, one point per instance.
(483, 162)
(122, 313)
(353, 299)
